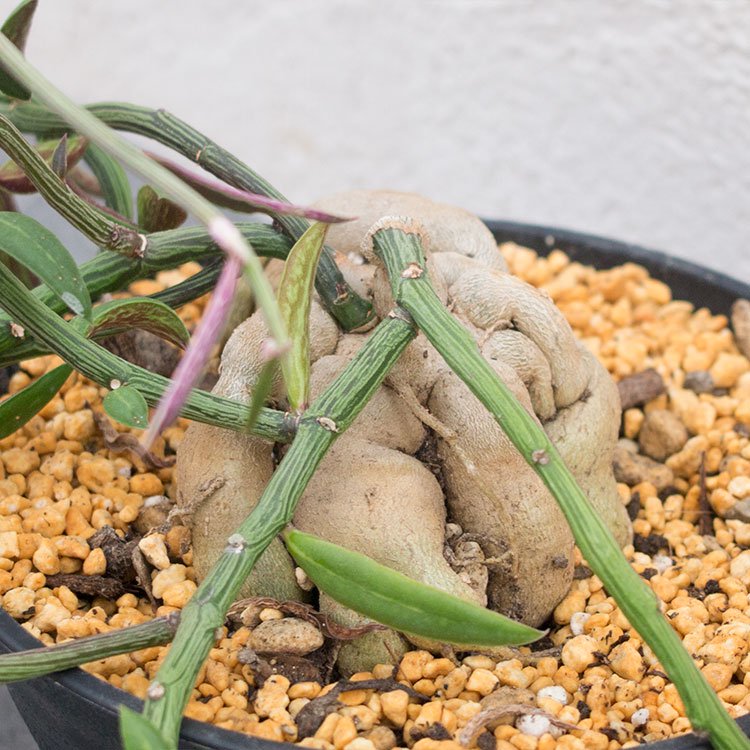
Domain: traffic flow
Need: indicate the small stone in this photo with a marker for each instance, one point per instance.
(578, 621)
(632, 469)
(9, 544)
(699, 381)
(579, 652)
(625, 661)
(155, 550)
(740, 566)
(740, 511)
(556, 692)
(662, 434)
(740, 487)
(394, 706)
(165, 578)
(289, 636)
(534, 725)
(727, 369)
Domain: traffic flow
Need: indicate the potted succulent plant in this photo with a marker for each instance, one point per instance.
(522, 420)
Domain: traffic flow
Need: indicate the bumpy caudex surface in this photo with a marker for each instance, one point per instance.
(424, 481)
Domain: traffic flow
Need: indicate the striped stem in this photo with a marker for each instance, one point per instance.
(92, 223)
(399, 246)
(349, 309)
(103, 367)
(327, 417)
(109, 272)
(24, 665)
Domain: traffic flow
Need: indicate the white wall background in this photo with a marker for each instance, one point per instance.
(629, 118)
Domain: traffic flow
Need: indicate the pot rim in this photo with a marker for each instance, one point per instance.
(718, 291)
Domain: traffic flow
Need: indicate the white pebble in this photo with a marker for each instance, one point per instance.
(534, 725)
(577, 621)
(662, 563)
(640, 717)
(556, 692)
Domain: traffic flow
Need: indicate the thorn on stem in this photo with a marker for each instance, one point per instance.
(540, 457)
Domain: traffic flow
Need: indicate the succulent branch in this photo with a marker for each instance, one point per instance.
(24, 665)
(348, 308)
(399, 245)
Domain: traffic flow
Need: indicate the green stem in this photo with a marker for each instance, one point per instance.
(101, 366)
(401, 251)
(328, 416)
(95, 225)
(109, 272)
(23, 665)
(351, 310)
(95, 130)
(175, 296)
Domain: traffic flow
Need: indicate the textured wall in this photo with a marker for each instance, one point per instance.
(627, 118)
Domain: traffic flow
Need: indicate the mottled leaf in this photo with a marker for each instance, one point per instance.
(138, 733)
(156, 214)
(294, 297)
(16, 28)
(138, 312)
(14, 179)
(41, 252)
(112, 179)
(400, 602)
(59, 160)
(17, 410)
(127, 406)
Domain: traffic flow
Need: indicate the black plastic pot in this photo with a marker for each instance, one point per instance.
(73, 710)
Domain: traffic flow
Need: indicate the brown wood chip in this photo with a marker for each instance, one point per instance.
(313, 713)
(126, 442)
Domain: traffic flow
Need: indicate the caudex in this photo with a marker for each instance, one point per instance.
(416, 332)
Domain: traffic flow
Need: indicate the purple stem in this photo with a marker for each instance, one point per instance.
(234, 198)
(194, 360)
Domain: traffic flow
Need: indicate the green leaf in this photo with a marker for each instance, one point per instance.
(40, 251)
(262, 388)
(16, 28)
(294, 298)
(138, 733)
(69, 151)
(400, 602)
(116, 189)
(59, 160)
(138, 312)
(17, 410)
(127, 405)
(156, 214)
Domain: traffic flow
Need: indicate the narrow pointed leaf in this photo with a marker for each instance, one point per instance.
(59, 160)
(17, 410)
(260, 393)
(294, 298)
(127, 405)
(114, 183)
(402, 603)
(138, 733)
(138, 312)
(13, 177)
(156, 214)
(34, 246)
(16, 28)
(227, 196)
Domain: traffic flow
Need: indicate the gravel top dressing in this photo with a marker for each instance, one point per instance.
(92, 539)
